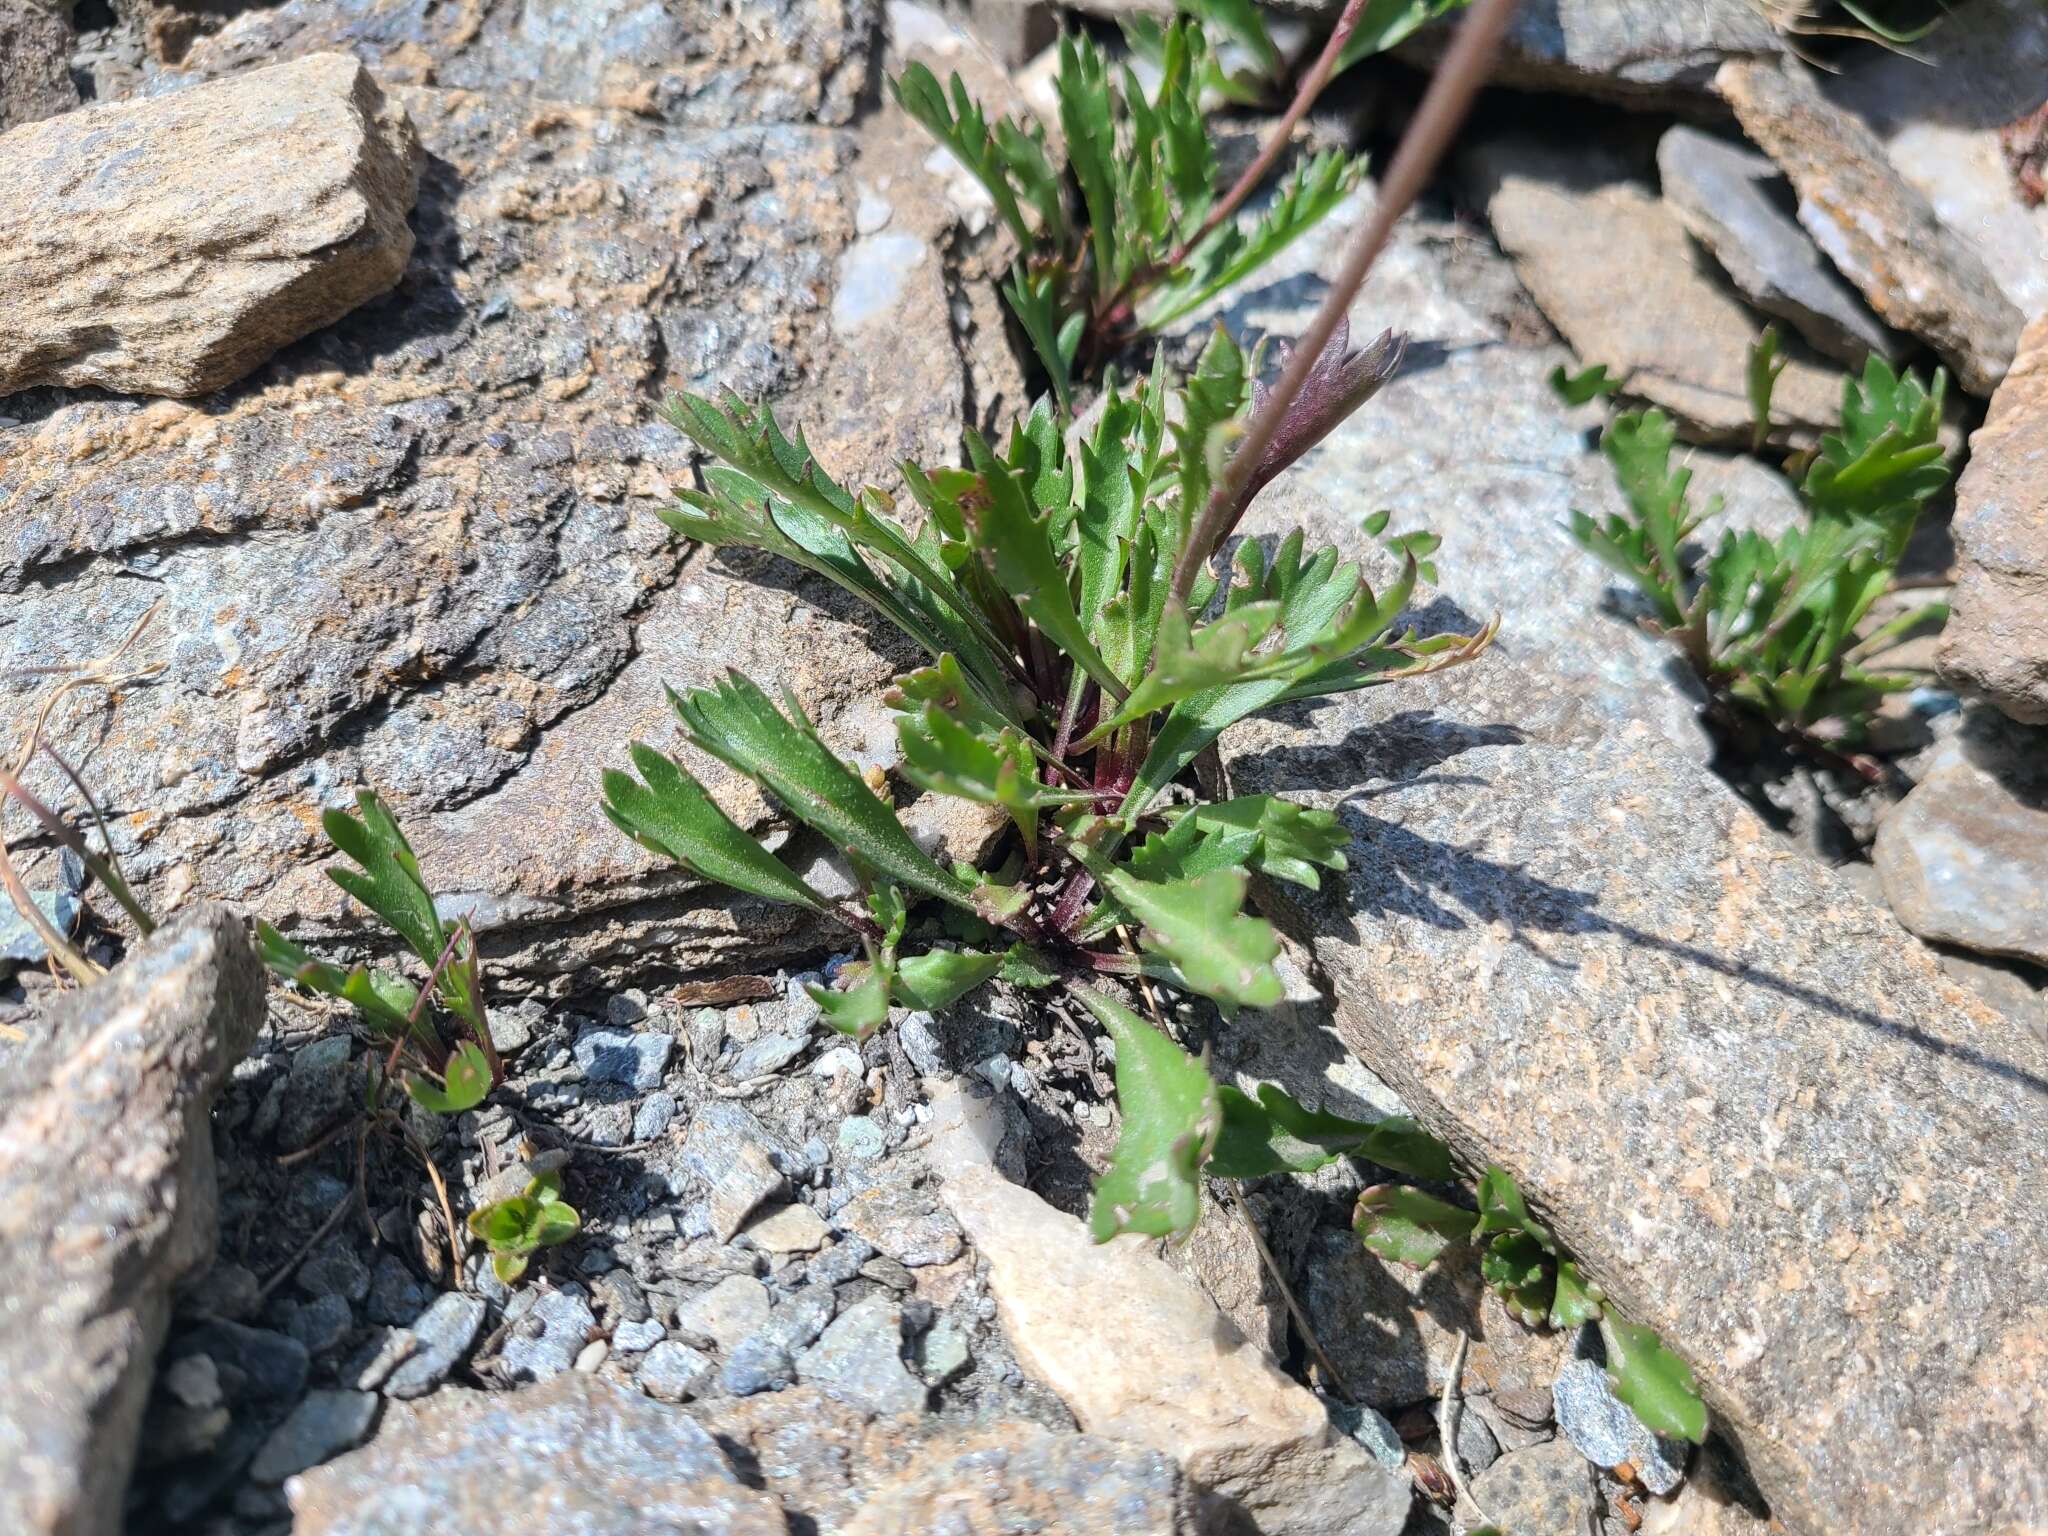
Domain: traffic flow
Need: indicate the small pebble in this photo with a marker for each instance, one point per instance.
(319, 1429)
(675, 1372)
(636, 1338)
(656, 1113)
(443, 1336)
(861, 1138)
(614, 1056)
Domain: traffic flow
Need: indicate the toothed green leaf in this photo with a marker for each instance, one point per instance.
(735, 723)
(1577, 1300)
(1171, 1116)
(671, 814)
(1273, 1133)
(1406, 1226)
(1655, 1383)
(1587, 384)
(941, 977)
(1201, 926)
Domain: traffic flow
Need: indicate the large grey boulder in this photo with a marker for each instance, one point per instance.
(168, 246)
(1875, 226)
(1751, 1106)
(573, 1454)
(106, 1172)
(1996, 641)
(35, 61)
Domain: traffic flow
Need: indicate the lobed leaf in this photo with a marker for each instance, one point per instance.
(1171, 1115)
(1406, 1226)
(1657, 1386)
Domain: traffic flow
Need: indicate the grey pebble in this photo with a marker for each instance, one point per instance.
(319, 1429)
(675, 1372)
(636, 1060)
(656, 1113)
(1606, 1431)
(443, 1336)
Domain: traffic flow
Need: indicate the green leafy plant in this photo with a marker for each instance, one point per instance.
(1520, 1260)
(1775, 624)
(1249, 67)
(441, 1074)
(515, 1229)
(1067, 684)
(1134, 231)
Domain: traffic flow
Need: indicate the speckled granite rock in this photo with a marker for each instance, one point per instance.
(1023, 1477)
(572, 1454)
(1996, 641)
(1964, 857)
(1612, 266)
(1873, 224)
(236, 217)
(35, 62)
(1744, 1099)
(418, 550)
(106, 1171)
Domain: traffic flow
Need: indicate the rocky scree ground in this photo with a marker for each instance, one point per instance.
(773, 1289)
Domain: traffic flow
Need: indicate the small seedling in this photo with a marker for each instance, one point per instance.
(443, 1078)
(517, 1228)
(1775, 624)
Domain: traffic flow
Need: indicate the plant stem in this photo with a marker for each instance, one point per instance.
(1450, 94)
(1276, 142)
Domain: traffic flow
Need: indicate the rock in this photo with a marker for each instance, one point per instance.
(322, 1324)
(507, 391)
(721, 1134)
(1996, 641)
(1733, 201)
(106, 1169)
(654, 1116)
(547, 1339)
(240, 216)
(1874, 226)
(319, 1429)
(1181, 1380)
(862, 1138)
(36, 41)
(910, 1225)
(1546, 1490)
(444, 1335)
(688, 65)
(955, 831)
(1938, 109)
(575, 1453)
(254, 1364)
(859, 1359)
(1964, 857)
(1373, 1430)
(1477, 1447)
(750, 1180)
(395, 1296)
(632, 1060)
(1581, 232)
(637, 1338)
(767, 1056)
(1707, 1505)
(943, 1352)
(334, 1269)
(734, 1309)
(758, 1364)
(675, 1372)
(822, 1458)
(1603, 1036)
(316, 1090)
(791, 1229)
(1220, 1257)
(1605, 1431)
(1024, 1477)
(21, 942)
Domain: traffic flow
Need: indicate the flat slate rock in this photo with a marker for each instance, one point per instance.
(1995, 644)
(106, 1170)
(1612, 267)
(1875, 226)
(1752, 1108)
(238, 216)
(36, 42)
(1736, 204)
(574, 1454)
(316, 532)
